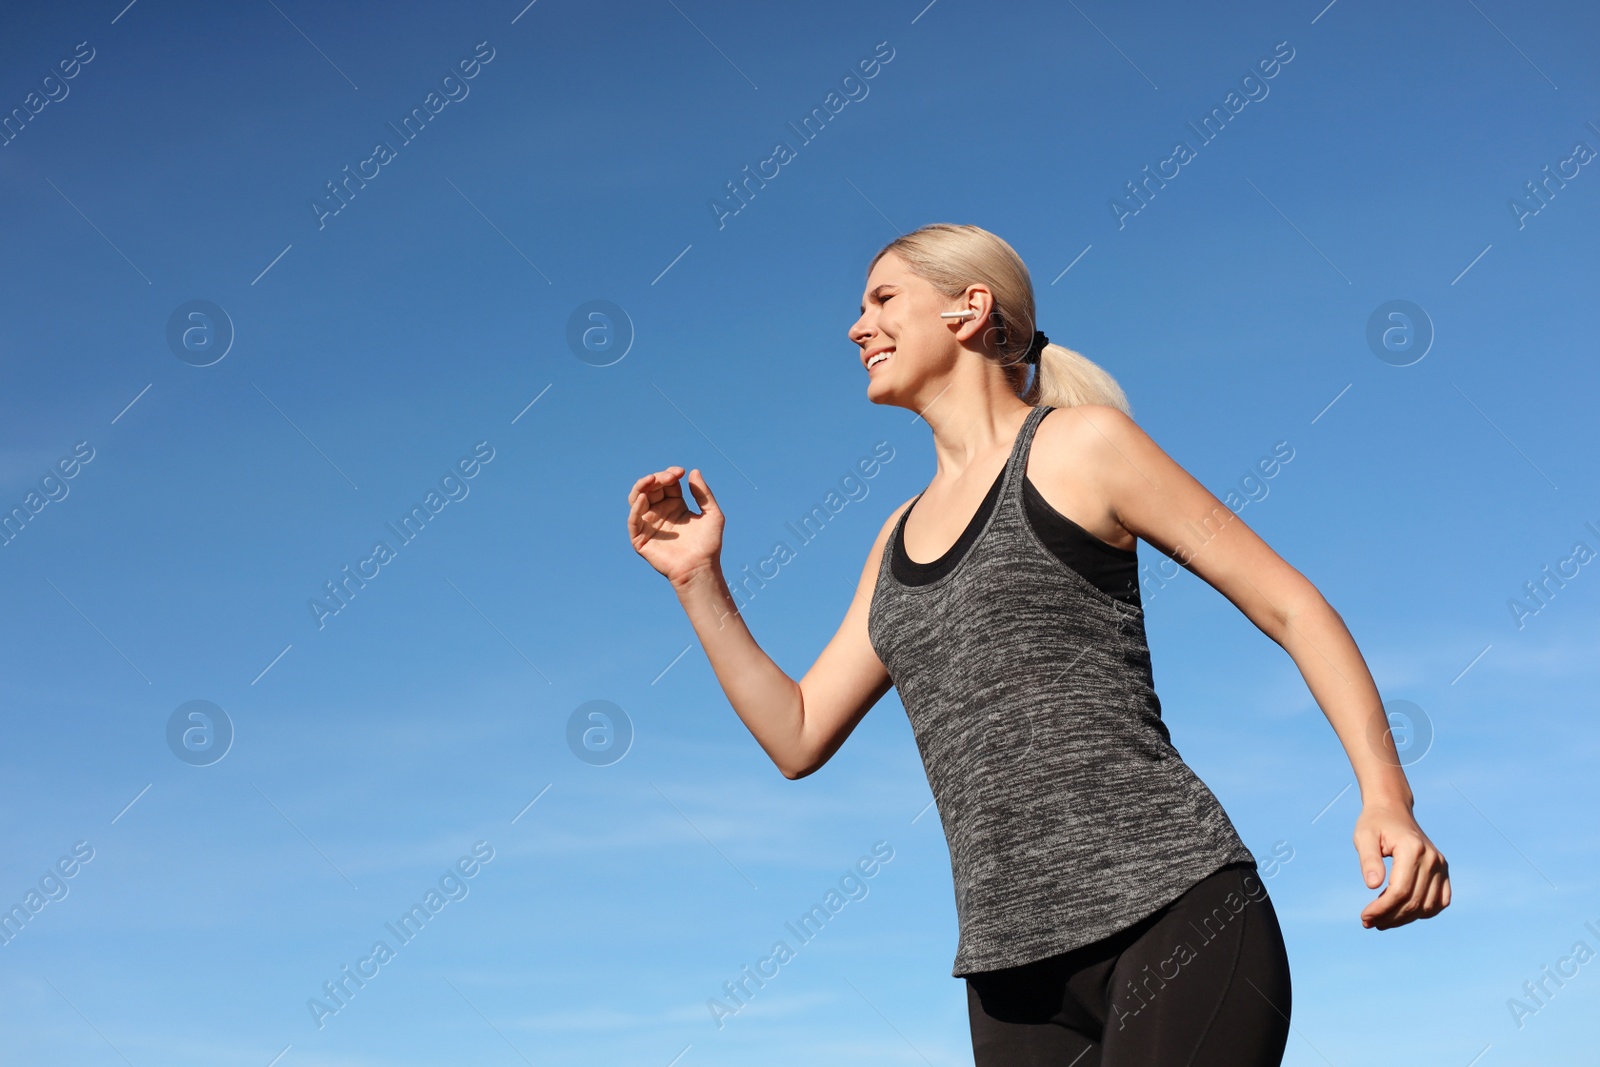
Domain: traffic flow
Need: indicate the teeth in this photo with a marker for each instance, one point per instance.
(875, 360)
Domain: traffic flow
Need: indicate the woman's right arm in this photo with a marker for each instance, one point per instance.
(800, 725)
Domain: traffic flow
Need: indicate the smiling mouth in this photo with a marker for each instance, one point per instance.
(879, 358)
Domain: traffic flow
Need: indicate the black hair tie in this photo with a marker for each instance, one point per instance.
(1039, 341)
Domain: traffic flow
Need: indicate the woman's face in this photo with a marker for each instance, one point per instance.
(900, 320)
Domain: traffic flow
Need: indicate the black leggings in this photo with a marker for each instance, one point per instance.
(1203, 982)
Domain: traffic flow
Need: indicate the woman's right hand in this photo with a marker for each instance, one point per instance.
(671, 538)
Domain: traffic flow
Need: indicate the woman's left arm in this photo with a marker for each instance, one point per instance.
(1157, 500)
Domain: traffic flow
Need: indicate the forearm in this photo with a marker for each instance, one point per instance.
(766, 699)
(1319, 642)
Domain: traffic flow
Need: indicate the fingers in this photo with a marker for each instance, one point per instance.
(1419, 887)
(1432, 904)
(1419, 876)
(1371, 848)
(648, 491)
(1378, 912)
(647, 520)
(702, 492)
(1394, 905)
(658, 485)
(637, 501)
(1438, 897)
(1370, 852)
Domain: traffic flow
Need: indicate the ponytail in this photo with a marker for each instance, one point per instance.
(1066, 379)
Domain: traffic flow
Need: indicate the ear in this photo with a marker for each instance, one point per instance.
(980, 301)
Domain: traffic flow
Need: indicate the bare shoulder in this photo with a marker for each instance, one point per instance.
(1104, 449)
(1086, 427)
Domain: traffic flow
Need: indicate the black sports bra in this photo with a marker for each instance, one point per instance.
(1114, 571)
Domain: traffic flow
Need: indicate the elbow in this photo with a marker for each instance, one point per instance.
(795, 770)
(795, 773)
(802, 759)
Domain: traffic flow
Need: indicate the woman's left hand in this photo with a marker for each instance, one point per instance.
(1419, 882)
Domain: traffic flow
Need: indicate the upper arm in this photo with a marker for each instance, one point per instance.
(1157, 500)
(847, 677)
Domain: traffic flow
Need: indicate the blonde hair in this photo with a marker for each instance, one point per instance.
(951, 257)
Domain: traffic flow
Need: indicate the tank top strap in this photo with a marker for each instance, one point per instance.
(1017, 465)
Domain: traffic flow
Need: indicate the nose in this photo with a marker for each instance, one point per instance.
(858, 332)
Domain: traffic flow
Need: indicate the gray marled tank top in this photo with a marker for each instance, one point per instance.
(1068, 812)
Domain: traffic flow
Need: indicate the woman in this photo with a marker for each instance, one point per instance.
(1109, 913)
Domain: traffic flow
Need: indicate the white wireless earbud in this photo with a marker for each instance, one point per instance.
(955, 314)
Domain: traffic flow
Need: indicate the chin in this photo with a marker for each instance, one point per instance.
(884, 398)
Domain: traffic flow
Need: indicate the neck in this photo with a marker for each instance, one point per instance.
(971, 428)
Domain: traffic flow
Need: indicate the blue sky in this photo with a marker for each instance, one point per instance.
(380, 352)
